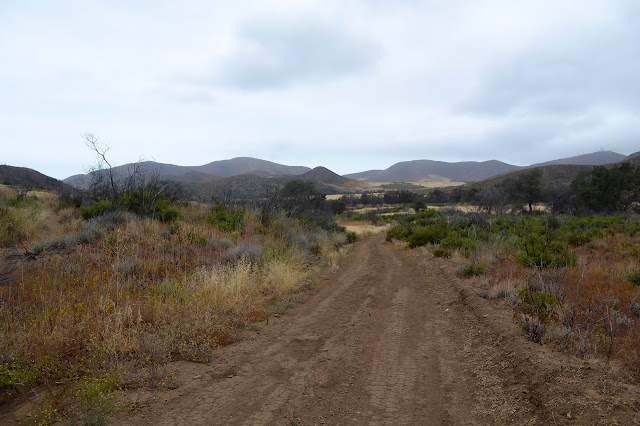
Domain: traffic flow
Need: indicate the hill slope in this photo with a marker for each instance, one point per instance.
(250, 186)
(561, 174)
(29, 178)
(634, 158)
(597, 158)
(248, 165)
(324, 176)
(429, 170)
(470, 171)
(551, 175)
(223, 168)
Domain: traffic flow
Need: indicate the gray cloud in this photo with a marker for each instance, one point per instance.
(277, 54)
(349, 85)
(566, 72)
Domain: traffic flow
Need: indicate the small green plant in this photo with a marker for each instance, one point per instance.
(473, 269)
(94, 399)
(538, 309)
(442, 252)
(224, 219)
(352, 237)
(399, 232)
(634, 277)
(431, 234)
(96, 208)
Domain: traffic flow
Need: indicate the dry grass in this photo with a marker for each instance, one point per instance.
(367, 229)
(595, 309)
(363, 227)
(282, 276)
(100, 293)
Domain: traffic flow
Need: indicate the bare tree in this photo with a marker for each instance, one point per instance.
(492, 199)
(137, 187)
(103, 179)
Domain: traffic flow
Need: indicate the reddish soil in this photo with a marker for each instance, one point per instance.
(391, 337)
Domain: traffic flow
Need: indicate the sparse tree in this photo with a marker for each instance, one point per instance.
(526, 187)
(562, 199)
(492, 199)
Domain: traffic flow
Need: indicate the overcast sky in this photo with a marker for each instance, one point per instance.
(350, 85)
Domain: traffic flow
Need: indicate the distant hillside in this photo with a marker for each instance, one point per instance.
(253, 187)
(429, 170)
(234, 187)
(223, 168)
(28, 178)
(324, 176)
(634, 158)
(469, 171)
(551, 175)
(561, 174)
(249, 166)
(597, 158)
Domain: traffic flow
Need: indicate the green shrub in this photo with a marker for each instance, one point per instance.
(465, 245)
(538, 309)
(430, 234)
(579, 238)
(542, 253)
(168, 215)
(549, 259)
(634, 277)
(473, 269)
(442, 252)
(94, 399)
(352, 237)
(399, 232)
(96, 208)
(22, 201)
(223, 219)
(538, 304)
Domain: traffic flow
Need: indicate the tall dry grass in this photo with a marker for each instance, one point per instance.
(99, 293)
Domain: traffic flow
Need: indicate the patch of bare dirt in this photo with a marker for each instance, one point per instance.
(392, 337)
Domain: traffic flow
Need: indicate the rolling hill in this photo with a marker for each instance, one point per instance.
(597, 158)
(634, 158)
(249, 166)
(216, 169)
(429, 170)
(246, 177)
(252, 186)
(28, 178)
(470, 171)
(560, 174)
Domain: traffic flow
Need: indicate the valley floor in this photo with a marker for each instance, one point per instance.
(391, 337)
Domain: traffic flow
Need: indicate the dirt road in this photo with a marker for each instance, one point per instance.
(391, 338)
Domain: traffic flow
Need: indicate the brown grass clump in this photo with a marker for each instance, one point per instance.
(281, 276)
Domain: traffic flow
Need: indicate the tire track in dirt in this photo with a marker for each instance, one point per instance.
(269, 371)
(388, 339)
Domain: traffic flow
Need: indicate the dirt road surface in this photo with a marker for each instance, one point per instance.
(391, 338)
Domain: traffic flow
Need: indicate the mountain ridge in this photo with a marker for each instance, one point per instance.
(431, 170)
(215, 169)
(471, 171)
(598, 158)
